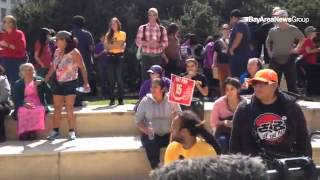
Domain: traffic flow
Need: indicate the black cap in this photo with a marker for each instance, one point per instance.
(235, 13)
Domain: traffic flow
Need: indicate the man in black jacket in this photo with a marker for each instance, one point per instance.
(271, 124)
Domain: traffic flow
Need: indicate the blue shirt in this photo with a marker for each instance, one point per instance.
(244, 46)
(85, 40)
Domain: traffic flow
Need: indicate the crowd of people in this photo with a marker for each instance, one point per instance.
(268, 123)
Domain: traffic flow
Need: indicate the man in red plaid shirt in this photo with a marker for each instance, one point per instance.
(152, 39)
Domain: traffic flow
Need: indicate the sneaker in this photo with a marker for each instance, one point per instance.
(72, 135)
(53, 135)
(121, 102)
(112, 102)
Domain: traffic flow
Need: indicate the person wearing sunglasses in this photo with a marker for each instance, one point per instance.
(270, 124)
(152, 39)
(12, 48)
(220, 57)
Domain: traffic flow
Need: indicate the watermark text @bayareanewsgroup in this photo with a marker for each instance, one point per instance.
(292, 19)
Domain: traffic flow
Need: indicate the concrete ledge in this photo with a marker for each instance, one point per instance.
(115, 158)
(102, 121)
(82, 159)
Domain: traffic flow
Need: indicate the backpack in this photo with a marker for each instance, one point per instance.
(208, 55)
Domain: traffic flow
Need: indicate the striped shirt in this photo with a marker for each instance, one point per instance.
(152, 32)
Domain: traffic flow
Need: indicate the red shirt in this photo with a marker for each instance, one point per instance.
(46, 55)
(16, 38)
(311, 58)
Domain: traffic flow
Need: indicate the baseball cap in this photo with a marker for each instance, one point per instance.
(310, 29)
(265, 76)
(156, 69)
(235, 13)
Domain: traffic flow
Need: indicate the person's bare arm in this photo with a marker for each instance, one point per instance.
(214, 59)
(37, 58)
(82, 67)
(203, 90)
(49, 74)
(311, 51)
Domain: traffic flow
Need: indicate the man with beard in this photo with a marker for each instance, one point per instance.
(187, 144)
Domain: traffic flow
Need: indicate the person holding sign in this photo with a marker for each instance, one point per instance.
(201, 89)
(154, 116)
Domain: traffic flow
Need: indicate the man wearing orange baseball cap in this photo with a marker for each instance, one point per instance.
(271, 123)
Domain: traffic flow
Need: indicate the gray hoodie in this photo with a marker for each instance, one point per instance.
(159, 114)
(4, 89)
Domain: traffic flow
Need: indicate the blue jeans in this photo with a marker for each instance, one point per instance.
(102, 72)
(114, 71)
(223, 141)
(238, 64)
(11, 66)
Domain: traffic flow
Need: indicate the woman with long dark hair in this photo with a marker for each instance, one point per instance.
(223, 110)
(67, 61)
(115, 44)
(42, 52)
(154, 116)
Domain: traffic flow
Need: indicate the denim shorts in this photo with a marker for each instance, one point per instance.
(65, 88)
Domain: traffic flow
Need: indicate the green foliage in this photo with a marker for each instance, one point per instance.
(201, 17)
(198, 18)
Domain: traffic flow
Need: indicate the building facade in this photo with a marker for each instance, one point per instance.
(7, 5)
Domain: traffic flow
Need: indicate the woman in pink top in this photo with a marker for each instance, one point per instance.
(67, 61)
(222, 112)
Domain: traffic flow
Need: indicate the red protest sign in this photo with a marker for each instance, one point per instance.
(181, 90)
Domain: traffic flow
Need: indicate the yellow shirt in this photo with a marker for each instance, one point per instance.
(200, 149)
(118, 37)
